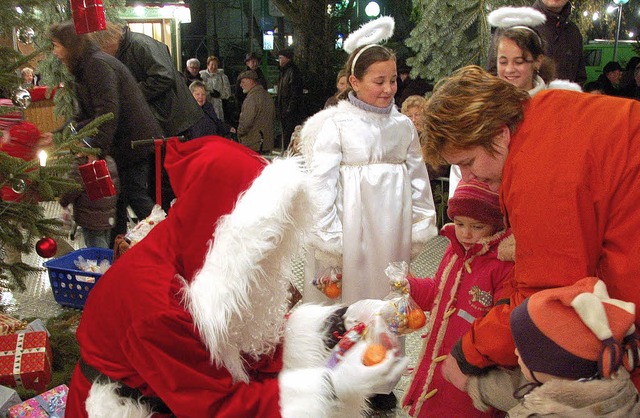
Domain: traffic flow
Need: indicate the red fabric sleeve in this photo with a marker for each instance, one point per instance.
(422, 290)
(489, 342)
(170, 357)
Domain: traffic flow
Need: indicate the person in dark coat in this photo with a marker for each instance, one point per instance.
(95, 217)
(289, 103)
(103, 85)
(211, 124)
(192, 71)
(610, 78)
(252, 61)
(164, 88)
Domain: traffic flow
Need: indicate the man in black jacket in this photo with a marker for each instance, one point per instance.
(289, 105)
(168, 96)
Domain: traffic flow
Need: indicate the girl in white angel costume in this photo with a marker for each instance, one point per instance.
(371, 182)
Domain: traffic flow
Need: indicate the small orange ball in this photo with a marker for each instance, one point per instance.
(332, 290)
(374, 354)
(416, 318)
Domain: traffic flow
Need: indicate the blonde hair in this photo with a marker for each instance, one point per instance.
(213, 58)
(469, 109)
(411, 102)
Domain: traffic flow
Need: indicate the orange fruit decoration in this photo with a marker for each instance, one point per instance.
(332, 290)
(416, 318)
(374, 354)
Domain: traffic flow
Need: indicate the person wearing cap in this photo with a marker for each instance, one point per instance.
(610, 78)
(470, 276)
(575, 347)
(255, 127)
(566, 168)
(252, 61)
(289, 103)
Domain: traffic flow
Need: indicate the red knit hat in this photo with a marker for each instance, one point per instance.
(576, 331)
(475, 200)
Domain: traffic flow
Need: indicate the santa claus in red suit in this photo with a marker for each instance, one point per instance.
(190, 322)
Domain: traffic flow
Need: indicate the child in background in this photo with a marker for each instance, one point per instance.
(571, 343)
(96, 217)
(467, 283)
(341, 85)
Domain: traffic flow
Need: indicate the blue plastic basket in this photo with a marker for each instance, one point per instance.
(71, 286)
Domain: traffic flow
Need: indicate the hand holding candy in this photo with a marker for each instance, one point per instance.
(352, 377)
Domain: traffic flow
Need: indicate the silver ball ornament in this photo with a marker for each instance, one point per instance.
(21, 98)
(18, 186)
(26, 35)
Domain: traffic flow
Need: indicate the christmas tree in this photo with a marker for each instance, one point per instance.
(450, 35)
(27, 176)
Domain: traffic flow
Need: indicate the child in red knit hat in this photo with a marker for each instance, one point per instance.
(466, 286)
(575, 347)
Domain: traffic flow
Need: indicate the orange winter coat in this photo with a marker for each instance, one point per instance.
(571, 194)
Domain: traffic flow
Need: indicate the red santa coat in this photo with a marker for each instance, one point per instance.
(571, 193)
(141, 323)
(464, 288)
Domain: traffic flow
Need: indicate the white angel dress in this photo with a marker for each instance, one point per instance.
(373, 190)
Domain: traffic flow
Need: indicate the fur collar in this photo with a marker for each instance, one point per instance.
(565, 396)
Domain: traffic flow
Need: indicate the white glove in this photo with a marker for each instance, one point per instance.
(362, 311)
(352, 378)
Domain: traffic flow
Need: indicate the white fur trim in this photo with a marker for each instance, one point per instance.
(590, 309)
(307, 393)
(104, 402)
(304, 337)
(506, 17)
(372, 32)
(564, 85)
(239, 297)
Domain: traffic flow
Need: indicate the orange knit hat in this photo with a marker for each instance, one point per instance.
(576, 331)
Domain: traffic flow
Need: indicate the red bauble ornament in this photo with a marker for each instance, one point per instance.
(46, 247)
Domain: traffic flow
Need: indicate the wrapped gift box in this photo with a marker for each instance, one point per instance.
(97, 180)
(8, 398)
(88, 16)
(50, 404)
(9, 324)
(25, 359)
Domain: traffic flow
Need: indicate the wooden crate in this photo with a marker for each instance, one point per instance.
(40, 113)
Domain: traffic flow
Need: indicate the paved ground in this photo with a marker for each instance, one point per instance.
(37, 300)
